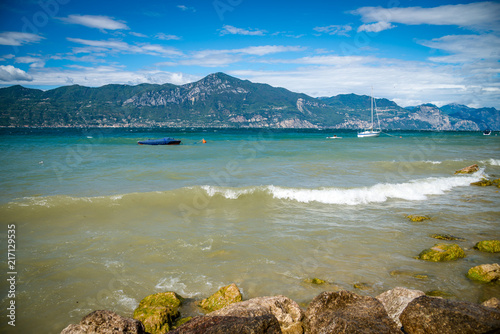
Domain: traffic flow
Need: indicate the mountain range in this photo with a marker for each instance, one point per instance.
(220, 100)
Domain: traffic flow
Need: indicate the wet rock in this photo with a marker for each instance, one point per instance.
(225, 296)
(264, 324)
(286, 311)
(442, 252)
(362, 286)
(417, 218)
(485, 273)
(347, 312)
(493, 303)
(490, 246)
(420, 276)
(429, 315)
(396, 300)
(158, 312)
(482, 183)
(446, 237)
(315, 281)
(468, 170)
(105, 322)
(439, 293)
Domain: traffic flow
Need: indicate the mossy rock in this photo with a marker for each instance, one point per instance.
(362, 286)
(181, 322)
(442, 252)
(490, 246)
(485, 273)
(158, 312)
(446, 237)
(482, 183)
(439, 293)
(419, 276)
(417, 218)
(317, 281)
(225, 296)
(468, 170)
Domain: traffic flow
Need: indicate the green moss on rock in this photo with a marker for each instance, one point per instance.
(485, 273)
(482, 183)
(446, 237)
(490, 246)
(158, 312)
(442, 252)
(315, 280)
(226, 295)
(417, 218)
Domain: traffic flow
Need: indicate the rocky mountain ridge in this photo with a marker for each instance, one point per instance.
(219, 100)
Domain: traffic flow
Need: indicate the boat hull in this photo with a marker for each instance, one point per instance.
(366, 134)
(161, 141)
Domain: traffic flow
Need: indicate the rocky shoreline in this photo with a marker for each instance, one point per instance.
(399, 310)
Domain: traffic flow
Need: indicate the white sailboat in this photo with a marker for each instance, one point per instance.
(371, 131)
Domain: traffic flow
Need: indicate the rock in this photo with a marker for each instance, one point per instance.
(225, 324)
(485, 273)
(442, 252)
(315, 281)
(409, 274)
(493, 303)
(362, 286)
(429, 315)
(287, 312)
(482, 183)
(347, 312)
(439, 293)
(416, 218)
(468, 170)
(105, 322)
(225, 296)
(158, 312)
(396, 300)
(490, 246)
(446, 237)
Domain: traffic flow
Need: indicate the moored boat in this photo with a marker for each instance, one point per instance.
(161, 141)
(487, 132)
(371, 131)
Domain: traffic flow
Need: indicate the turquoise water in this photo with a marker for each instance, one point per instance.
(101, 222)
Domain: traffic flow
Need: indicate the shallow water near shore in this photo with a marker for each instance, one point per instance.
(102, 222)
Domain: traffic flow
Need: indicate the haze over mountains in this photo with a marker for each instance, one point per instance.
(219, 100)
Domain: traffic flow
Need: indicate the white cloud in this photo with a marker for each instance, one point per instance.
(485, 15)
(117, 46)
(341, 30)
(103, 75)
(96, 21)
(186, 8)
(34, 62)
(137, 34)
(18, 38)
(166, 37)
(230, 30)
(466, 48)
(376, 27)
(10, 73)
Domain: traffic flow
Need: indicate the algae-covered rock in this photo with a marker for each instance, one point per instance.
(225, 296)
(442, 252)
(482, 183)
(446, 237)
(485, 273)
(158, 312)
(362, 286)
(315, 280)
(420, 276)
(417, 218)
(468, 170)
(490, 246)
(439, 293)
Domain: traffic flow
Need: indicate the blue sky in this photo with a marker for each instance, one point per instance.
(411, 52)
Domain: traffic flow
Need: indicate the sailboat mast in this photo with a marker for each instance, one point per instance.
(371, 107)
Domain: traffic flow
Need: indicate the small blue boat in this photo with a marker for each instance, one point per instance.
(161, 141)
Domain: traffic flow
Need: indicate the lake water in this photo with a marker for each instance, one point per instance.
(101, 222)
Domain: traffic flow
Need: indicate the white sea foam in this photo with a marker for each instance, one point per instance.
(416, 190)
(491, 162)
(433, 162)
(129, 302)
